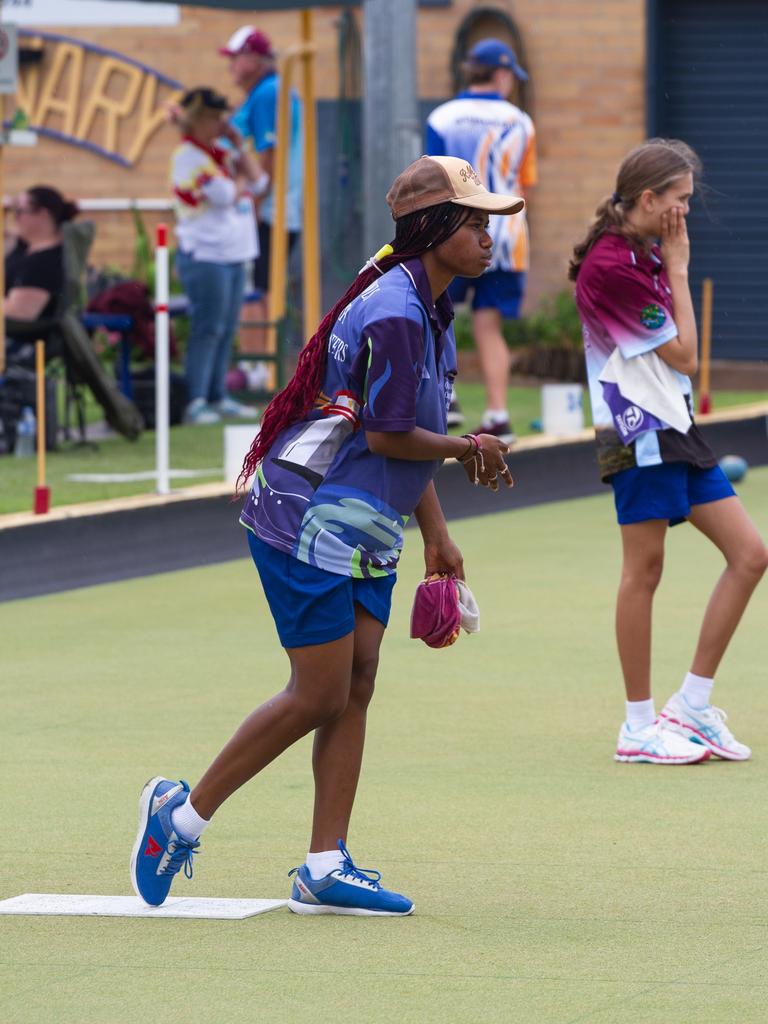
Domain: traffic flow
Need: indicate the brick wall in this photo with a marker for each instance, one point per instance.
(586, 59)
(587, 65)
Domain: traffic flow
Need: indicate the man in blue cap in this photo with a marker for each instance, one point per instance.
(481, 126)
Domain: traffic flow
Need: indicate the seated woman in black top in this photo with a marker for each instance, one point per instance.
(34, 269)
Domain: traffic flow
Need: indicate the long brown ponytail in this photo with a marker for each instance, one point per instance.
(414, 234)
(653, 165)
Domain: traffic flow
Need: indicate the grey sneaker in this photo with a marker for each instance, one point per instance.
(231, 409)
(199, 413)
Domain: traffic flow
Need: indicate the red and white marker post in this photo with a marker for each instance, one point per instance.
(162, 363)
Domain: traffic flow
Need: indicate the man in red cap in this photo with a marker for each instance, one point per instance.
(252, 66)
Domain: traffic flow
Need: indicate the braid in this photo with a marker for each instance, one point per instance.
(414, 234)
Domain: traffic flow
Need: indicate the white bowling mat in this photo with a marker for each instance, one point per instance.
(132, 906)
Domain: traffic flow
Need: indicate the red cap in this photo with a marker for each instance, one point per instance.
(162, 234)
(247, 40)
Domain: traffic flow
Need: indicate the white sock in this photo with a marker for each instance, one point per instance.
(697, 690)
(323, 863)
(640, 713)
(188, 822)
(495, 416)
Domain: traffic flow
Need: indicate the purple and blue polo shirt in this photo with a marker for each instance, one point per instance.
(625, 302)
(320, 494)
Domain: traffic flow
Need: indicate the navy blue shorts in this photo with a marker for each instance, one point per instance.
(496, 289)
(310, 605)
(261, 263)
(667, 491)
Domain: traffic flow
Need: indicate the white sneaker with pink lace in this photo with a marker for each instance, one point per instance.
(657, 744)
(705, 726)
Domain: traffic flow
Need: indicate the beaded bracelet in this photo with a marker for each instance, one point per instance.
(472, 450)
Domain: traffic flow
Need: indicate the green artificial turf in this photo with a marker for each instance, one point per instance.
(552, 885)
(201, 448)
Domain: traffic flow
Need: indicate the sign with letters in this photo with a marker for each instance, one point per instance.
(93, 97)
(63, 13)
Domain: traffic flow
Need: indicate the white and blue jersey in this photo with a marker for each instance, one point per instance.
(499, 140)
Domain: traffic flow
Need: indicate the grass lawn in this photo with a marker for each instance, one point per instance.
(202, 448)
(552, 885)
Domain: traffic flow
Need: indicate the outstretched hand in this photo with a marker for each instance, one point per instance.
(488, 465)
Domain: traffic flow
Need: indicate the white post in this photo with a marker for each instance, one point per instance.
(162, 363)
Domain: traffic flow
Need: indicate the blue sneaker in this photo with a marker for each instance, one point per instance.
(158, 852)
(347, 890)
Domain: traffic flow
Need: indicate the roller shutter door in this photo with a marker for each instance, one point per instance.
(709, 86)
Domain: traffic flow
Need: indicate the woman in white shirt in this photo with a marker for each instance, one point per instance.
(217, 237)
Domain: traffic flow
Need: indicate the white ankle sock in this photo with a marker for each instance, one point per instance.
(640, 713)
(323, 863)
(495, 416)
(188, 822)
(697, 690)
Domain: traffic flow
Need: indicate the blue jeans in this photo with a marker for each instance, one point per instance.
(215, 293)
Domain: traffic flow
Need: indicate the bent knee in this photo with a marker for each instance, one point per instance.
(320, 711)
(318, 702)
(752, 561)
(644, 576)
(363, 682)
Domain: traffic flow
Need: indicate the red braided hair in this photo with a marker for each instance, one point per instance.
(414, 234)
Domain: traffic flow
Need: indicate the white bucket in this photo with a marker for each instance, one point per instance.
(562, 409)
(238, 439)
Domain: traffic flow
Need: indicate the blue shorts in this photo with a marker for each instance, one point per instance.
(667, 491)
(310, 605)
(496, 289)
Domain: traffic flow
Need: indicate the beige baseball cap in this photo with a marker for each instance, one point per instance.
(431, 180)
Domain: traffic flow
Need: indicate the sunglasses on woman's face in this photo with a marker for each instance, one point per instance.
(18, 210)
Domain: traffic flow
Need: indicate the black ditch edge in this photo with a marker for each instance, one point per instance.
(58, 555)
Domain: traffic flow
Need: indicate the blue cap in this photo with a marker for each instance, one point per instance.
(493, 53)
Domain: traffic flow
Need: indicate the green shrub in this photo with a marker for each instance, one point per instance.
(554, 323)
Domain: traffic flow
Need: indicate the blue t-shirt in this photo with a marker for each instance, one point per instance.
(320, 494)
(256, 119)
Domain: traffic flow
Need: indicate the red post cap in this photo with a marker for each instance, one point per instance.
(162, 234)
(42, 500)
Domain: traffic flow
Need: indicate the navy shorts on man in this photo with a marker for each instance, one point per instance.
(667, 491)
(313, 606)
(496, 289)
